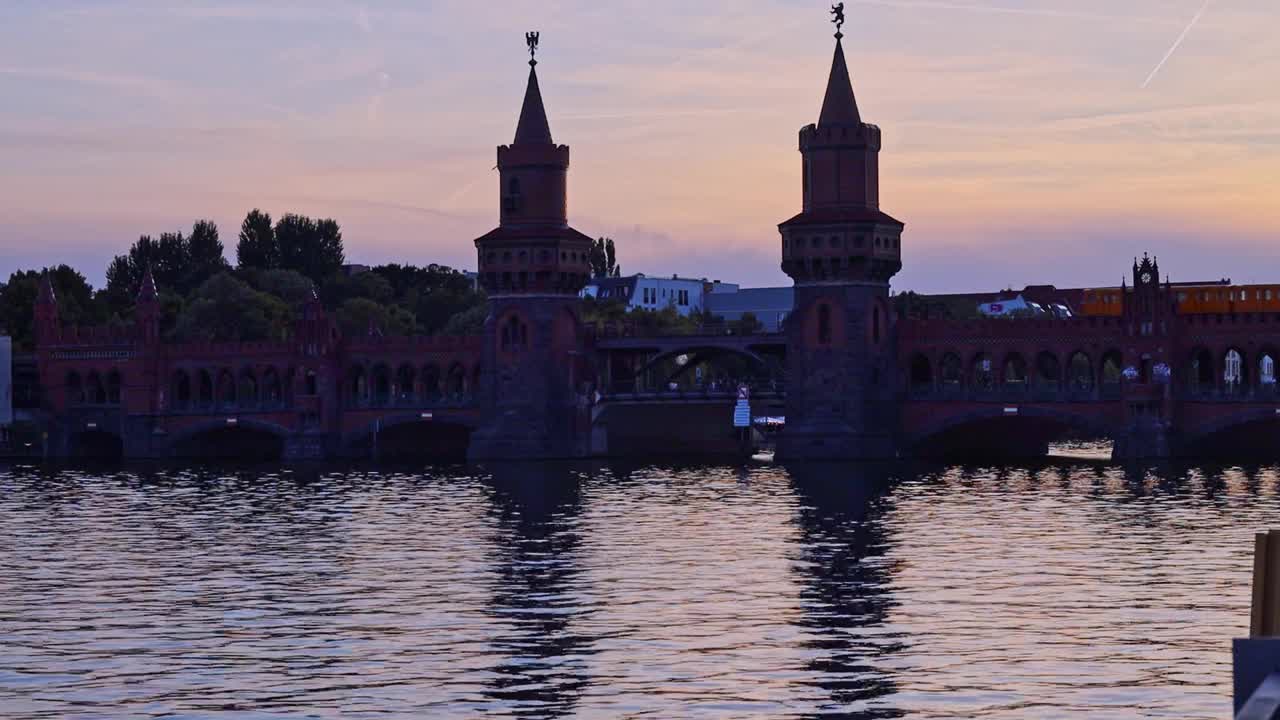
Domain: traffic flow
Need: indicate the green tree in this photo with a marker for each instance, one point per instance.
(205, 256)
(76, 305)
(467, 322)
(362, 316)
(291, 286)
(257, 247)
(313, 248)
(226, 309)
(603, 258)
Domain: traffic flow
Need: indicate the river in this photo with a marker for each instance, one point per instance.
(1063, 590)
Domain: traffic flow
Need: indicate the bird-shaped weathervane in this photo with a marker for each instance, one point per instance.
(837, 17)
(531, 39)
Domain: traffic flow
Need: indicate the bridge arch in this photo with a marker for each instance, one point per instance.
(1080, 371)
(409, 436)
(993, 431)
(180, 390)
(95, 444)
(244, 439)
(1248, 433)
(704, 351)
(951, 370)
(982, 371)
(1014, 369)
(1201, 376)
(1048, 370)
(920, 373)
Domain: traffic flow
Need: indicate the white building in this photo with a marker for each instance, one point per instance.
(687, 296)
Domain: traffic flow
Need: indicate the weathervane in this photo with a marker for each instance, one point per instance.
(531, 39)
(837, 12)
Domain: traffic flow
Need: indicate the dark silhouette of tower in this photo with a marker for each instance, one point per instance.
(532, 267)
(841, 251)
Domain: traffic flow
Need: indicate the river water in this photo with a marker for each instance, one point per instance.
(1066, 590)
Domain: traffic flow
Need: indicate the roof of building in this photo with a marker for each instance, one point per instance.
(533, 128)
(839, 107)
(837, 215)
(534, 232)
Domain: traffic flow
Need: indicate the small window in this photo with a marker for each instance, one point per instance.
(816, 242)
(824, 324)
(835, 241)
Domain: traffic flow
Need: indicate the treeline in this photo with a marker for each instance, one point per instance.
(277, 264)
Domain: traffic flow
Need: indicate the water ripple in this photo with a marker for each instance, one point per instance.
(605, 591)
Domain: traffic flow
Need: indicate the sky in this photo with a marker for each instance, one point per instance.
(1025, 141)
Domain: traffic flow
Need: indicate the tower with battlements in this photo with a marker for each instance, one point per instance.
(841, 251)
(532, 267)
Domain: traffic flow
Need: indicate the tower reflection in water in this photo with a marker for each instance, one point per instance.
(535, 590)
(845, 576)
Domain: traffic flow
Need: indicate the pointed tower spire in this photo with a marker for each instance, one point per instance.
(147, 288)
(46, 296)
(533, 128)
(839, 107)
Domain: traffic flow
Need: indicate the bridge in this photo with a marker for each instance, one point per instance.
(853, 379)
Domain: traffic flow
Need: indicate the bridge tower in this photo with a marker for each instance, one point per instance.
(532, 266)
(1149, 319)
(841, 251)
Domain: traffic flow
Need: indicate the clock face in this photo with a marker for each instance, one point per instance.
(1146, 277)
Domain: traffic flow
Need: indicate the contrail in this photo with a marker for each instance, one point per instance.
(1176, 43)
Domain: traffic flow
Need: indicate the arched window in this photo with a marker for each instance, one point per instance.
(1202, 375)
(457, 382)
(181, 391)
(1015, 370)
(1080, 371)
(204, 393)
(75, 388)
(381, 385)
(1233, 370)
(430, 383)
(824, 324)
(272, 392)
(921, 374)
(357, 387)
(96, 391)
(515, 334)
(1267, 370)
(113, 387)
(1112, 370)
(983, 371)
(1048, 370)
(248, 387)
(226, 388)
(404, 384)
(310, 383)
(952, 370)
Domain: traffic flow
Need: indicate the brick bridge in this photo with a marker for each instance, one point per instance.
(853, 380)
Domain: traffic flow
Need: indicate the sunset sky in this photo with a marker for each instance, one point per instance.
(1026, 141)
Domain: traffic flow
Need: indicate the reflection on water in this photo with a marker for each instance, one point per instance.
(1060, 590)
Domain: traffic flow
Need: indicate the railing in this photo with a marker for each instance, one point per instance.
(610, 330)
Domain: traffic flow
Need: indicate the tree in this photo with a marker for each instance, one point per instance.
(467, 322)
(290, 286)
(362, 316)
(746, 324)
(76, 304)
(205, 256)
(257, 247)
(603, 258)
(313, 248)
(225, 309)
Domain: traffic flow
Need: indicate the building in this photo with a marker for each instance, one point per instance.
(769, 305)
(687, 296)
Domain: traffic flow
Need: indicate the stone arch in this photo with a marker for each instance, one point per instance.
(1048, 370)
(1080, 371)
(513, 332)
(431, 388)
(243, 439)
(951, 370)
(180, 390)
(247, 395)
(357, 386)
(1266, 367)
(406, 379)
(95, 389)
(456, 381)
(920, 373)
(226, 388)
(982, 371)
(1201, 375)
(272, 389)
(204, 388)
(1014, 369)
(1111, 371)
(113, 387)
(380, 384)
(75, 388)
(1235, 370)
